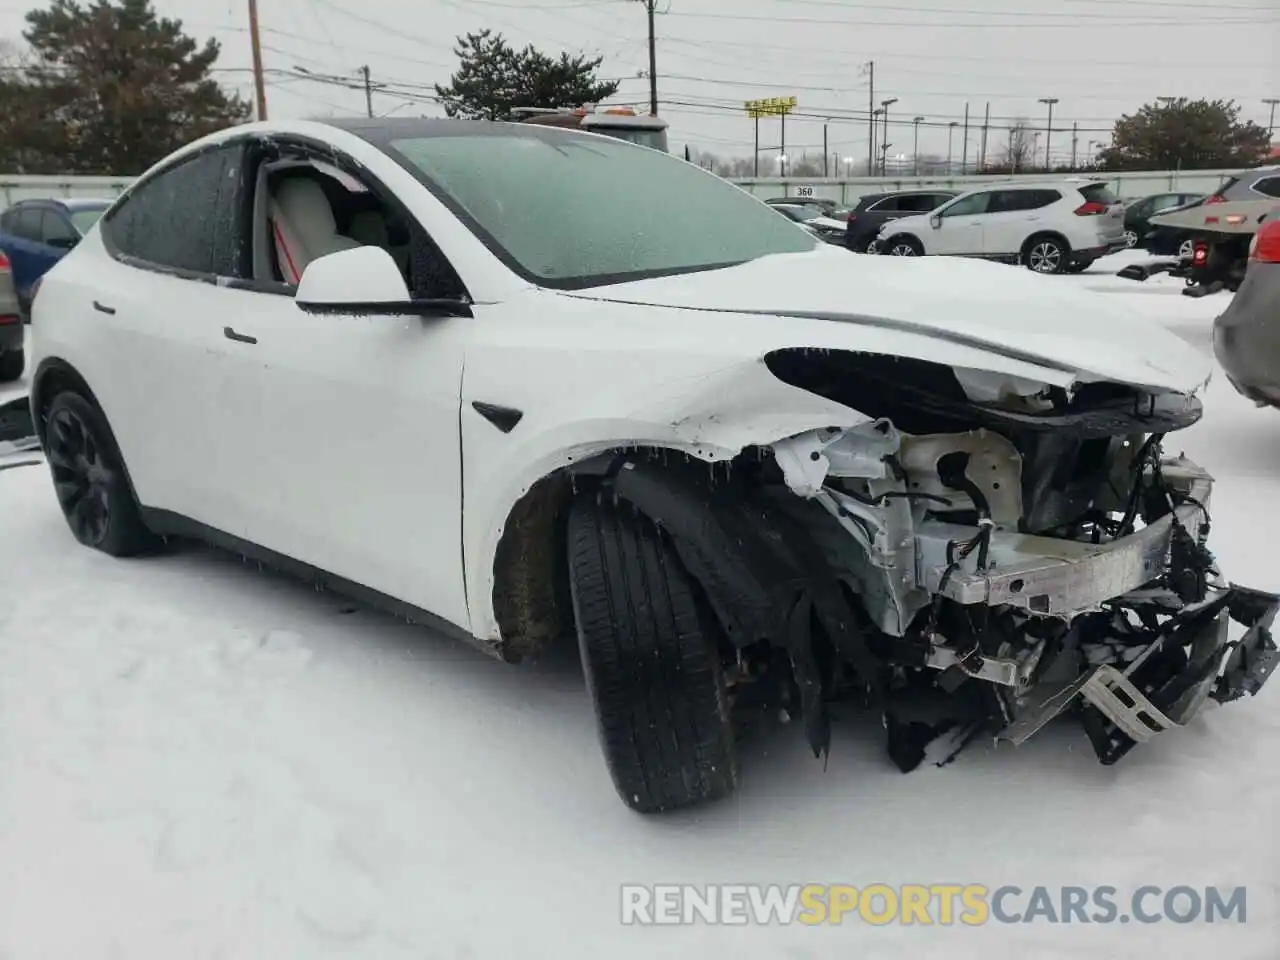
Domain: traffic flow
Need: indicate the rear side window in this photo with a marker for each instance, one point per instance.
(54, 227)
(1268, 186)
(887, 205)
(187, 217)
(1010, 201)
(917, 203)
(27, 223)
(1098, 193)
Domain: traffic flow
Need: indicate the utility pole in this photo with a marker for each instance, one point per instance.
(964, 147)
(368, 91)
(825, 155)
(1048, 133)
(915, 146)
(1271, 123)
(986, 125)
(1075, 140)
(951, 129)
(255, 44)
(871, 118)
(884, 149)
(649, 6)
(757, 153)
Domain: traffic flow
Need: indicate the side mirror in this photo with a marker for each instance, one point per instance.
(365, 280)
(936, 221)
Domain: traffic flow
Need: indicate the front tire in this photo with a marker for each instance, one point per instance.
(649, 652)
(89, 478)
(12, 363)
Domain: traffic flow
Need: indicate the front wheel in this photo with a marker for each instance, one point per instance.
(1130, 238)
(1046, 255)
(650, 654)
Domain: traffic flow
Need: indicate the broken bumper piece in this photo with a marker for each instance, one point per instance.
(1188, 661)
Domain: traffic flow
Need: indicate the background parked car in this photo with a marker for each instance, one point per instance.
(1056, 226)
(1256, 184)
(828, 208)
(1138, 214)
(36, 234)
(874, 211)
(825, 228)
(12, 356)
(1246, 338)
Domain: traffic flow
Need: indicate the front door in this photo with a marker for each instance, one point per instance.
(349, 452)
(960, 230)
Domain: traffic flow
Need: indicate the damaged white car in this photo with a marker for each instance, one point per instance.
(525, 383)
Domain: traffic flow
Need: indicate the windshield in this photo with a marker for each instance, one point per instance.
(566, 210)
(83, 218)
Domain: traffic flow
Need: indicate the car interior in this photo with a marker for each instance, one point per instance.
(305, 209)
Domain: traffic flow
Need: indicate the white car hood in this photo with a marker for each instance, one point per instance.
(1008, 311)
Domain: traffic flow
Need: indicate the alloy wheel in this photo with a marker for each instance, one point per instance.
(1186, 250)
(1130, 238)
(81, 477)
(873, 247)
(1045, 257)
(902, 249)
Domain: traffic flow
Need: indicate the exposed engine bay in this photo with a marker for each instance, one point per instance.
(978, 557)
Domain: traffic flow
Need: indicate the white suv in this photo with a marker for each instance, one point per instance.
(1051, 227)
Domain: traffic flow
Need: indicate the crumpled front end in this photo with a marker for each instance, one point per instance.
(981, 556)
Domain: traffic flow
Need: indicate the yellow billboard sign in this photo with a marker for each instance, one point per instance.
(770, 107)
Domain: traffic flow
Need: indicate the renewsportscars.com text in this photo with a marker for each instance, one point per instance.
(944, 904)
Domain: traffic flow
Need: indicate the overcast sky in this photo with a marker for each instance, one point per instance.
(1100, 58)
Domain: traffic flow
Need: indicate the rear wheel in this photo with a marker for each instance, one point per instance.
(12, 363)
(649, 652)
(1046, 255)
(904, 246)
(1187, 249)
(1130, 238)
(89, 478)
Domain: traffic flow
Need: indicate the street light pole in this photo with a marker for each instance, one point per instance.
(1048, 134)
(1271, 123)
(951, 129)
(884, 149)
(915, 154)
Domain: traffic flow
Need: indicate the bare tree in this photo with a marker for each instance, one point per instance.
(1017, 153)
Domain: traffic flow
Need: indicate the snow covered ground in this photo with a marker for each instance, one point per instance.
(199, 760)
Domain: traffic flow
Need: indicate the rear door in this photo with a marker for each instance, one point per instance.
(1012, 217)
(173, 244)
(29, 256)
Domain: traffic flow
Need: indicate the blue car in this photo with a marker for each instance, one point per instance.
(36, 234)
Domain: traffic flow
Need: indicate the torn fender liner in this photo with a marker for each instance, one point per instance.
(763, 579)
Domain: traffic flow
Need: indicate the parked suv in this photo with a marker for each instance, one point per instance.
(1050, 227)
(1257, 184)
(877, 209)
(1138, 214)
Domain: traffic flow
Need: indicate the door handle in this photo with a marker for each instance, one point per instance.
(103, 308)
(238, 337)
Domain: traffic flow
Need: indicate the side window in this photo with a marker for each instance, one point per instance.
(938, 199)
(967, 206)
(56, 229)
(27, 224)
(916, 203)
(1268, 186)
(187, 217)
(887, 205)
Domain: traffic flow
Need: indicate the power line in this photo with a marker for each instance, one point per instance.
(935, 25)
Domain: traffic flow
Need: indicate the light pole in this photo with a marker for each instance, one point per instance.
(1048, 136)
(1271, 123)
(884, 148)
(951, 129)
(915, 148)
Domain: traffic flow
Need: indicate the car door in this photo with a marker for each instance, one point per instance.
(959, 227)
(1012, 216)
(350, 461)
(163, 297)
(28, 254)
